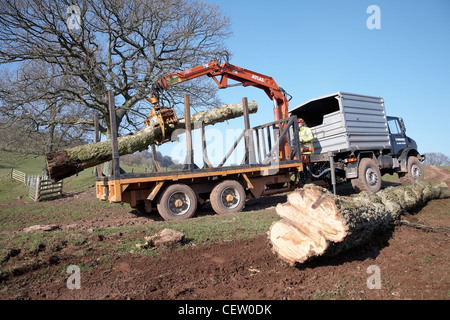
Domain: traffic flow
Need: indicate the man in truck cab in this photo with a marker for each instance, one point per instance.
(305, 136)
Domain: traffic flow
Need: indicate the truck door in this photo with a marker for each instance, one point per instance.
(397, 134)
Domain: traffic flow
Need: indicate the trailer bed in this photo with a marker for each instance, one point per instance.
(135, 188)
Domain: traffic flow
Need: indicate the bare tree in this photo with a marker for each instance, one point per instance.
(31, 104)
(436, 159)
(123, 46)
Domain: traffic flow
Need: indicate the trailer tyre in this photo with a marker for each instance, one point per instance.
(227, 197)
(415, 171)
(369, 176)
(177, 202)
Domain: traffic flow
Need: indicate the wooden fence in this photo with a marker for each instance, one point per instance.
(40, 187)
(20, 176)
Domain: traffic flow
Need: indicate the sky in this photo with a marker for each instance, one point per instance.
(316, 47)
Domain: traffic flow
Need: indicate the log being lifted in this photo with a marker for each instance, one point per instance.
(65, 163)
(316, 222)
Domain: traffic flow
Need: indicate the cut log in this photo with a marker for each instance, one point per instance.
(315, 222)
(65, 163)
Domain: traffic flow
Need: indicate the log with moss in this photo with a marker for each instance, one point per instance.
(316, 222)
(65, 163)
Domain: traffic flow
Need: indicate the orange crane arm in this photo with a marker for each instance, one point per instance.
(227, 71)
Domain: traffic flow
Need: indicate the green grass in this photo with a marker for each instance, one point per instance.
(123, 239)
(24, 212)
(18, 211)
(11, 189)
(202, 230)
(227, 228)
(86, 178)
(390, 177)
(28, 213)
(30, 164)
(34, 164)
(81, 181)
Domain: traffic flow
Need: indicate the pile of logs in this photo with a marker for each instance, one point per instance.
(316, 222)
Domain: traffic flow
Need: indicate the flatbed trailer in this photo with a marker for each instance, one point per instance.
(266, 168)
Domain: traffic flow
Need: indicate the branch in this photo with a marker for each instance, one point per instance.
(422, 227)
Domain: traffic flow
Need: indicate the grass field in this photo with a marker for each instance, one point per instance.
(30, 164)
(18, 211)
(101, 238)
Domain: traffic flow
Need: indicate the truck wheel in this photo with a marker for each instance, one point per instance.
(227, 197)
(177, 202)
(369, 176)
(415, 171)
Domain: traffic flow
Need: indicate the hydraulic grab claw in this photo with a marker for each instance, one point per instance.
(160, 116)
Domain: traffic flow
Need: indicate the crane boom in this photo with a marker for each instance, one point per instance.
(228, 71)
(164, 116)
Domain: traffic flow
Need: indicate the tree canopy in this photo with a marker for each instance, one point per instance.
(124, 46)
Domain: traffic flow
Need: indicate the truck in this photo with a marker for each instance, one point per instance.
(354, 140)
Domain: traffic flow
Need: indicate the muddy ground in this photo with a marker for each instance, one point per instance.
(411, 263)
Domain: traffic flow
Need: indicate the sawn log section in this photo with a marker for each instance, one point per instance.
(65, 163)
(316, 222)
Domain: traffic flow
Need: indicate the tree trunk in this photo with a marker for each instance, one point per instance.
(316, 222)
(65, 163)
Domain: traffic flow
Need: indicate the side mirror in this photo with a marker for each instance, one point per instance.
(402, 125)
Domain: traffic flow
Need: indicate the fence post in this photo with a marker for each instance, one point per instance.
(38, 188)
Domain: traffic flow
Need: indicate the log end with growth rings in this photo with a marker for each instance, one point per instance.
(315, 222)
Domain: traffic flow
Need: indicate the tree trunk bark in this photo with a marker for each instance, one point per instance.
(316, 222)
(65, 163)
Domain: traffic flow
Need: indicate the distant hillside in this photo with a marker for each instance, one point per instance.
(28, 163)
(34, 164)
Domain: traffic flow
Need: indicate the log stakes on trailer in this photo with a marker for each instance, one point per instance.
(189, 160)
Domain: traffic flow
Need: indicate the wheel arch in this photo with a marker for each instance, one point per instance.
(362, 155)
(365, 180)
(403, 158)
